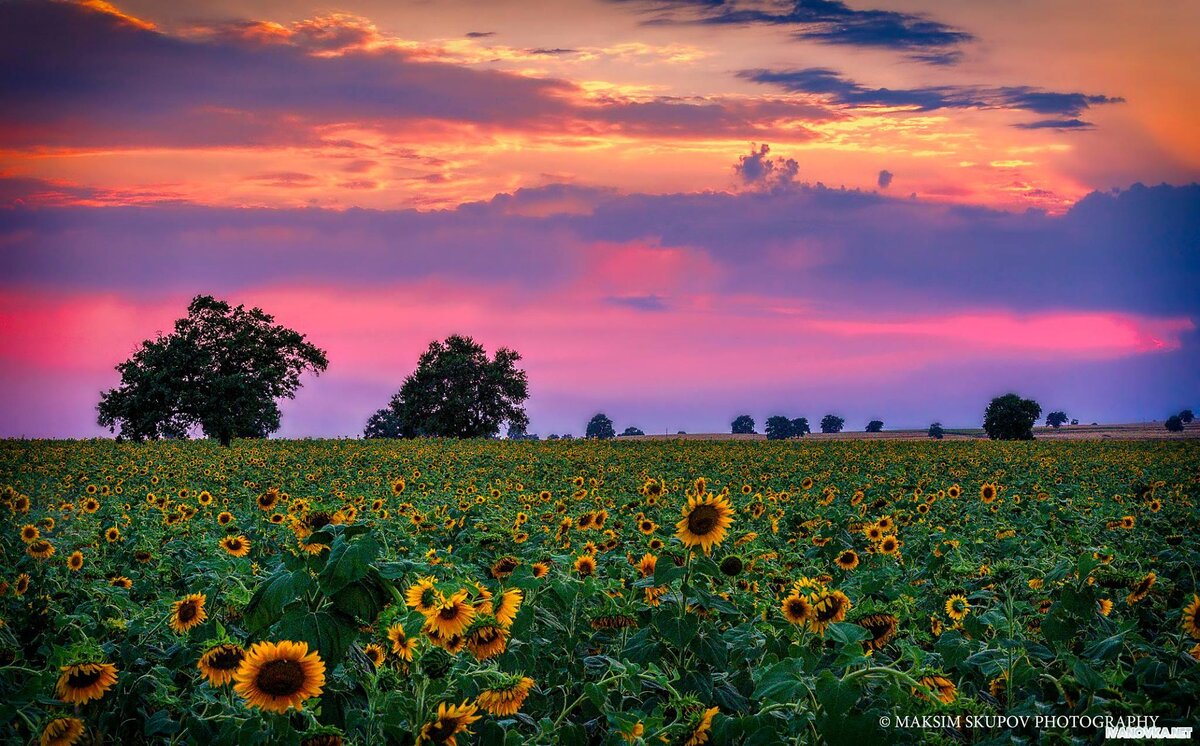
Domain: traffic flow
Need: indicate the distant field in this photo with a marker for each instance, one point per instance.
(1130, 431)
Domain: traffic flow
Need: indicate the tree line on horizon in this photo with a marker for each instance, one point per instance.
(223, 369)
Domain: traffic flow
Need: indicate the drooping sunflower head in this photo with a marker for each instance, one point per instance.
(943, 688)
(453, 616)
(882, 628)
(277, 676)
(188, 612)
(40, 549)
(827, 608)
(705, 521)
(506, 698)
(62, 731)
(847, 560)
(219, 663)
(700, 726)
(1190, 619)
(80, 683)
(486, 638)
(1141, 589)
(732, 565)
(375, 653)
(449, 722)
(506, 606)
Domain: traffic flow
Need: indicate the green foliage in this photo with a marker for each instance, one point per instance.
(456, 392)
(1010, 417)
(221, 369)
(600, 427)
(779, 428)
(831, 423)
(631, 430)
(743, 424)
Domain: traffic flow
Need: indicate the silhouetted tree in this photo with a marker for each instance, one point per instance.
(631, 430)
(383, 424)
(1174, 423)
(1010, 417)
(600, 427)
(221, 369)
(743, 425)
(779, 428)
(800, 427)
(1056, 419)
(1186, 416)
(831, 423)
(875, 426)
(458, 392)
(936, 431)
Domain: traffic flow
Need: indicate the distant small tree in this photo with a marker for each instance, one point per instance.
(875, 426)
(600, 427)
(743, 425)
(1186, 416)
(936, 431)
(1010, 417)
(682, 432)
(779, 428)
(385, 424)
(1074, 422)
(552, 436)
(1174, 423)
(831, 423)
(800, 427)
(1056, 419)
(631, 430)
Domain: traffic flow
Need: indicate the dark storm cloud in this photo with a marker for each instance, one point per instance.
(825, 21)
(842, 90)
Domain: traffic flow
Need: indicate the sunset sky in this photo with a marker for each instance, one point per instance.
(676, 210)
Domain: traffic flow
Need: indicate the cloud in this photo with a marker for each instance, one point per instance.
(885, 179)
(824, 21)
(480, 34)
(760, 171)
(843, 91)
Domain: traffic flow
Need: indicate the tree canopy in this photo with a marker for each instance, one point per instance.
(778, 428)
(1056, 419)
(600, 426)
(936, 431)
(456, 391)
(742, 425)
(631, 430)
(875, 426)
(1174, 423)
(221, 369)
(831, 423)
(1010, 417)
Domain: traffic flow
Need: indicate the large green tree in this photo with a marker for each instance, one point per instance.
(600, 426)
(457, 391)
(222, 369)
(1010, 417)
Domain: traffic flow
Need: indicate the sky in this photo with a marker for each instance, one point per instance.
(677, 211)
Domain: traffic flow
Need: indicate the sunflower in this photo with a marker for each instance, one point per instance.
(585, 565)
(80, 683)
(504, 567)
(375, 653)
(40, 549)
(1104, 606)
(796, 609)
(647, 564)
(732, 566)
(401, 645)
(944, 688)
(507, 699)
(237, 546)
(75, 561)
(506, 606)
(423, 596)
(449, 722)
(188, 612)
(267, 500)
(704, 522)
(112, 534)
(882, 628)
(874, 532)
(828, 608)
(1142, 589)
(220, 662)
(120, 581)
(30, 533)
(847, 560)
(22, 585)
(224, 518)
(276, 676)
(1190, 619)
(987, 492)
(62, 731)
(540, 569)
(957, 607)
(1128, 521)
(700, 727)
(889, 545)
(452, 616)
(486, 639)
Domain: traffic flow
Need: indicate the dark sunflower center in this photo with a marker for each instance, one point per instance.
(280, 678)
(235, 544)
(449, 613)
(227, 659)
(828, 611)
(703, 519)
(796, 607)
(82, 679)
(187, 611)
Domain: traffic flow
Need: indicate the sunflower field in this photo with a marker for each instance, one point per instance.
(591, 592)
